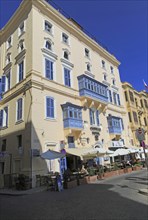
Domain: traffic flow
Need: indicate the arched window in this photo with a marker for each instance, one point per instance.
(48, 45)
(66, 55)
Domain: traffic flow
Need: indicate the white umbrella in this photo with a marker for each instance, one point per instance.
(51, 155)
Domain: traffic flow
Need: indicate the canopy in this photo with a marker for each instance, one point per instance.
(51, 155)
(86, 153)
(120, 152)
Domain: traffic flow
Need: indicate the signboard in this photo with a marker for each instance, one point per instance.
(140, 134)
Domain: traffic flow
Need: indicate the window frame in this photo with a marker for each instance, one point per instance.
(54, 108)
(17, 110)
(50, 31)
(70, 74)
(87, 53)
(20, 31)
(66, 40)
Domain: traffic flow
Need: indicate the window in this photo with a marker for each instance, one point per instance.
(88, 67)
(49, 69)
(111, 69)
(21, 46)
(94, 117)
(66, 55)
(67, 78)
(145, 103)
(5, 82)
(21, 28)
(2, 167)
(9, 42)
(8, 58)
(4, 117)
(136, 101)
(48, 27)
(65, 38)
(105, 77)
(126, 98)
(21, 71)
(71, 142)
(19, 141)
(141, 102)
(118, 99)
(145, 122)
(103, 64)
(50, 111)
(129, 116)
(110, 96)
(3, 145)
(135, 117)
(131, 96)
(48, 45)
(113, 82)
(19, 109)
(114, 97)
(86, 52)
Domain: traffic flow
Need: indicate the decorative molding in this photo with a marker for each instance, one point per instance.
(20, 55)
(8, 66)
(50, 53)
(67, 62)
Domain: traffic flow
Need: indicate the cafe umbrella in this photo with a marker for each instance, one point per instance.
(52, 155)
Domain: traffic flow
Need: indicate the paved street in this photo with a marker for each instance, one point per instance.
(116, 198)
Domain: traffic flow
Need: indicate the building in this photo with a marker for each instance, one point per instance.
(59, 88)
(137, 108)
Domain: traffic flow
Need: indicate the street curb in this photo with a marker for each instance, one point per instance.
(143, 191)
(29, 192)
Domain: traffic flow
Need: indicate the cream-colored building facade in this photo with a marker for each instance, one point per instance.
(137, 109)
(59, 88)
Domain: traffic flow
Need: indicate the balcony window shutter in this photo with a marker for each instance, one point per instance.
(6, 116)
(97, 117)
(19, 109)
(49, 107)
(122, 124)
(49, 69)
(91, 116)
(110, 96)
(3, 83)
(1, 118)
(118, 97)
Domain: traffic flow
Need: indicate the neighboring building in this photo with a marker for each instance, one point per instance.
(137, 108)
(59, 88)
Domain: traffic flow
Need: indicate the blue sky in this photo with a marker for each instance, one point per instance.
(121, 25)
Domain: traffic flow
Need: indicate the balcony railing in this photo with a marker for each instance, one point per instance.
(115, 130)
(73, 123)
(117, 144)
(92, 88)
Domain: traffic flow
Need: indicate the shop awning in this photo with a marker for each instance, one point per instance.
(86, 153)
(120, 152)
